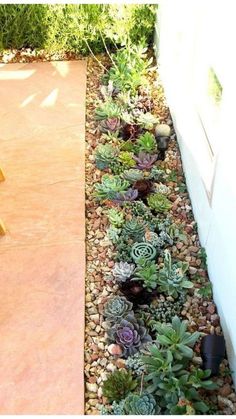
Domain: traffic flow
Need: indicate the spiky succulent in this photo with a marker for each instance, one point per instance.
(110, 125)
(116, 308)
(118, 385)
(146, 272)
(130, 195)
(134, 229)
(143, 404)
(129, 334)
(123, 271)
(105, 155)
(133, 175)
(115, 217)
(159, 203)
(145, 161)
(143, 186)
(110, 186)
(172, 279)
(147, 143)
(126, 159)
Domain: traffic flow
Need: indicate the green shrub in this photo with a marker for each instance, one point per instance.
(71, 27)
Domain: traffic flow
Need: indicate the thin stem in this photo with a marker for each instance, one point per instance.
(107, 51)
(141, 384)
(94, 56)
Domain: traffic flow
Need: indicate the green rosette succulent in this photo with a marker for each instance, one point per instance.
(118, 385)
(117, 308)
(110, 186)
(159, 203)
(143, 404)
(134, 229)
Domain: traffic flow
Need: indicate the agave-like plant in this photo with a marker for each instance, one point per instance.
(145, 161)
(172, 279)
(117, 308)
(129, 334)
(123, 271)
(147, 143)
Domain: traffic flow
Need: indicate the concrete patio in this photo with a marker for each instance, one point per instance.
(42, 256)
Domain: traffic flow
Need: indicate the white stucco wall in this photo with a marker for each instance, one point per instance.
(210, 179)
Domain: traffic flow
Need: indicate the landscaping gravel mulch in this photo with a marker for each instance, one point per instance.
(201, 312)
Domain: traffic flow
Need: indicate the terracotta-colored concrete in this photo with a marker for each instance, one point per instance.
(42, 256)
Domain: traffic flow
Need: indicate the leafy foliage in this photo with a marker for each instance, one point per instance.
(118, 385)
(74, 27)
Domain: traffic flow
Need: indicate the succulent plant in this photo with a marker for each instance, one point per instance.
(157, 174)
(161, 311)
(118, 385)
(130, 131)
(123, 251)
(134, 229)
(143, 404)
(130, 195)
(105, 155)
(129, 334)
(162, 189)
(115, 217)
(144, 103)
(174, 337)
(135, 364)
(126, 159)
(172, 279)
(133, 175)
(123, 271)
(151, 237)
(143, 186)
(159, 203)
(147, 120)
(147, 143)
(109, 91)
(113, 234)
(110, 186)
(116, 308)
(145, 161)
(110, 125)
(108, 109)
(146, 272)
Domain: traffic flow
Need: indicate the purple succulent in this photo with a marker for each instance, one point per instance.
(129, 195)
(110, 125)
(145, 160)
(129, 334)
